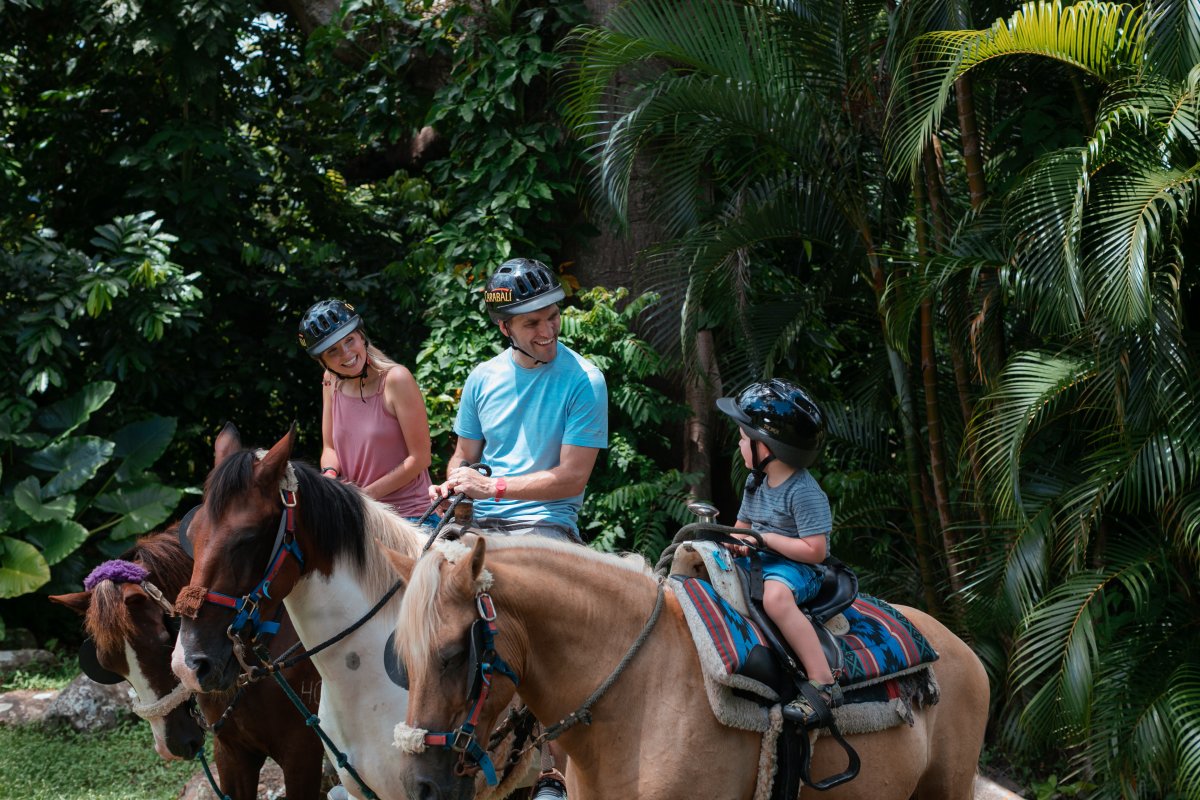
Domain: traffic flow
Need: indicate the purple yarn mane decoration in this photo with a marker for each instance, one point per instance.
(116, 571)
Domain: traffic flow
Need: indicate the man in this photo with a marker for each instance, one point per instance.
(537, 414)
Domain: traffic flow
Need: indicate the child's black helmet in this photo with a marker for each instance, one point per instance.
(782, 415)
(326, 323)
(521, 285)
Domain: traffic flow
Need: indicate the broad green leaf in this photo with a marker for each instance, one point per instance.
(28, 497)
(57, 539)
(19, 437)
(67, 415)
(76, 460)
(143, 508)
(141, 444)
(22, 568)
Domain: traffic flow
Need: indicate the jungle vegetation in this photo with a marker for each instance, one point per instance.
(967, 227)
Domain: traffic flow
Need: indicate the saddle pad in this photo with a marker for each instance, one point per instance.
(880, 643)
(732, 635)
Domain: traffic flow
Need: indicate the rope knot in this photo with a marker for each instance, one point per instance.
(190, 601)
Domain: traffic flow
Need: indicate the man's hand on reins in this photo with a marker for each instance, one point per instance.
(471, 482)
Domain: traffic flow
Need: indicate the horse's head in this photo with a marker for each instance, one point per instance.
(131, 630)
(457, 681)
(242, 539)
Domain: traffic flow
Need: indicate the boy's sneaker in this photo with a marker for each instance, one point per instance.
(803, 711)
(550, 786)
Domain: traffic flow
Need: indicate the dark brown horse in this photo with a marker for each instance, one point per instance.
(132, 631)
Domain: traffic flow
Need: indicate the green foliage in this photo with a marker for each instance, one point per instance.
(633, 502)
(114, 765)
(109, 309)
(61, 487)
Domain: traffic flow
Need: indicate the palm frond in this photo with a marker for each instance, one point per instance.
(1031, 390)
(1103, 39)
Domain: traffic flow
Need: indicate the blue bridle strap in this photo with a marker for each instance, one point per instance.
(247, 611)
(463, 739)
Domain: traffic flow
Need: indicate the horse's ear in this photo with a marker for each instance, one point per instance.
(270, 469)
(477, 554)
(403, 564)
(77, 602)
(228, 442)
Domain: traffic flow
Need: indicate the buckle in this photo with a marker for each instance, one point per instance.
(485, 607)
(462, 739)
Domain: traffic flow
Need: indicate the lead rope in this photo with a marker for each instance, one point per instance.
(584, 712)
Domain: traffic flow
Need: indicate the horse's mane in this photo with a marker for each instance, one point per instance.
(108, 621)
(340, 518)
(419, 617)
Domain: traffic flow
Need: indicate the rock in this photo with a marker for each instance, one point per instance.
(13, 660)
(88, 706)
(19, 639)
(24, 706)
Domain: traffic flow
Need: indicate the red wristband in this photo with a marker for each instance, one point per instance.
(501, 488)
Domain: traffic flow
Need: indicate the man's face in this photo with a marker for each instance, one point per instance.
(536, 332)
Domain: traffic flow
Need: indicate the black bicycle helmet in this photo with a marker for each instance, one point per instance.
(521, 285)
(326, 323)
(783, 416)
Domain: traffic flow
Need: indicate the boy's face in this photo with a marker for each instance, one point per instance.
(746, 445)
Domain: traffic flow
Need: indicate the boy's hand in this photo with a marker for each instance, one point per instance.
(741, 549)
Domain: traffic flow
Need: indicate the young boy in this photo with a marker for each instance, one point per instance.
(782, 435)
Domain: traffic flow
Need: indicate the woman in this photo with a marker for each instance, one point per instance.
(374, 430)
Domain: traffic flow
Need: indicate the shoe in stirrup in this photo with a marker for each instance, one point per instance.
(550, 786)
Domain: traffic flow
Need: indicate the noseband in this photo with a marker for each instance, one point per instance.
(484, 662)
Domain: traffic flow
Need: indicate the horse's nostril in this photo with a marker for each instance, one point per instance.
(427, 791)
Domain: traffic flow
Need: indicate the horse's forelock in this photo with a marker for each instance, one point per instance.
(108, 621)
(419, 620)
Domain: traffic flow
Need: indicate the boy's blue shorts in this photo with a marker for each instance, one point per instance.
(803, 579)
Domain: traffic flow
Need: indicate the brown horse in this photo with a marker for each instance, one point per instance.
(133, 632)
(566, 616)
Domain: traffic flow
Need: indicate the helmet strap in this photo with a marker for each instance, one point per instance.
(537, 362)
(758, 473)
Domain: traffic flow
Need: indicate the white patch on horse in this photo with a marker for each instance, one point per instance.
(147, 696)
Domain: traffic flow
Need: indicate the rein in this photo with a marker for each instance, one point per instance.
(584, 712)
(463, 738)
(248, 614)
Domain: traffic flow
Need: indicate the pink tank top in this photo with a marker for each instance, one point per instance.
(370, 444)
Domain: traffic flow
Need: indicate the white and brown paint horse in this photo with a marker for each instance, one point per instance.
(342, 576)
(130, 624)
(567, 616)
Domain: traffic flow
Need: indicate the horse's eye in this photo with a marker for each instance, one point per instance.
(452, 658)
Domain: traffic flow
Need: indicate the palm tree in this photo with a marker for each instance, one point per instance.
(1091, 442)
(761, 121)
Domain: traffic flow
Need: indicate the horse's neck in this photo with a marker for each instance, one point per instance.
(322, 607)
(578, 622)
(360, 705)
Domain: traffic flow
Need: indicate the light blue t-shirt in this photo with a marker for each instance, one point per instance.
(525, 416)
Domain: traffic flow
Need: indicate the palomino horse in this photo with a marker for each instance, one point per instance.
(565, 617)
(329, 573)
(133, 630)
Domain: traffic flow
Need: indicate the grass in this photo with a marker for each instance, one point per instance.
(39, 764)
(36, 764)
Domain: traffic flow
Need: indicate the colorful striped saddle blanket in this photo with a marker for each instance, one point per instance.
(877, 643)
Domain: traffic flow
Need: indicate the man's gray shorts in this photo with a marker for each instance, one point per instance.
(505, 527)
